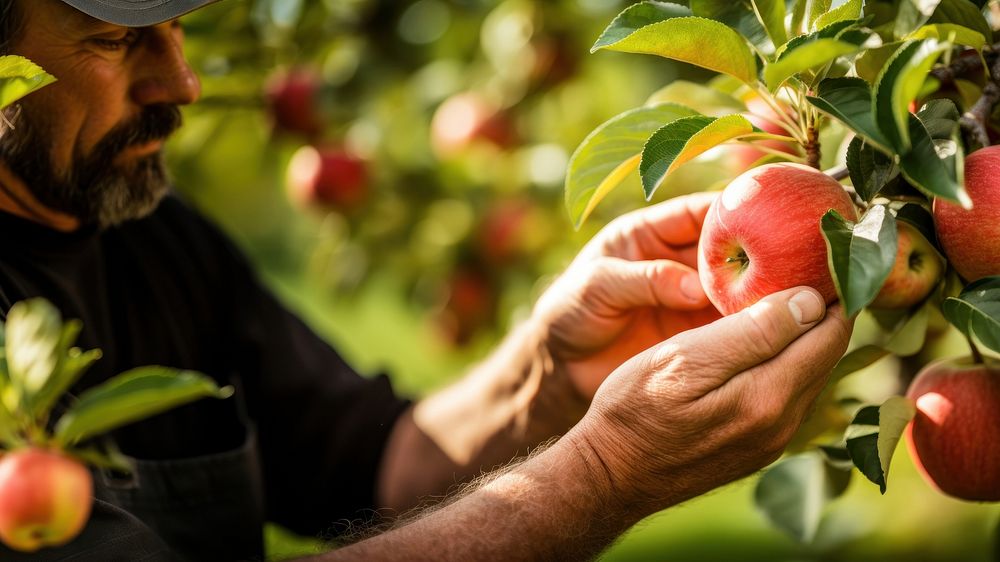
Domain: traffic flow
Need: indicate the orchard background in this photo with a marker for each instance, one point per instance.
(438, 245)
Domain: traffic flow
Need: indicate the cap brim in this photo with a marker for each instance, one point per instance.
(137, 13)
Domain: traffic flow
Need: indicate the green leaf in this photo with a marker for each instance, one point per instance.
(739, 15)
(919, 217)
(637, 16)
(699, 97)
(961, 12)
(953, 33)
(803, 58)
(815, 10)
(131, 396)
(976, 311)
(849, 100)
(72, 366)
(8, 428)
(857, 359)
(869, 64)
(934, 166)
(870, 169)
(903, 331)
(848, 11)
(794, 492)
(873, 435)
(913, 14)
(861, 255)
(771, 14)
(611, 152)
(898, 84)
(698, 41)
(33, 333)
(680, 141)
(940, 118)
(19, 77)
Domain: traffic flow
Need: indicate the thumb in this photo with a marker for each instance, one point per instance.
(754, 335)
(623, 284)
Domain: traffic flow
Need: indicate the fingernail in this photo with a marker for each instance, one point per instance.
(806, 307)
(691, 287)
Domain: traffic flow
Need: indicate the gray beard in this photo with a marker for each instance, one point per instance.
(94, 190)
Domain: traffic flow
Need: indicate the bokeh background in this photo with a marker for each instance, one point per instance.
(448, 125)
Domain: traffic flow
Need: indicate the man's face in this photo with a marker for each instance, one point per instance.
(89, 145)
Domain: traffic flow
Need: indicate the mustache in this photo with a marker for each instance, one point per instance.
(156, 122)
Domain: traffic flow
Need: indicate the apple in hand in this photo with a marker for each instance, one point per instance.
(917, 270)
(328, 177)
(45, 499)
(954, 438)
(762, 235)
(971, 237)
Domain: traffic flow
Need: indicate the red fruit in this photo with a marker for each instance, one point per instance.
(917, 270)
(293, 101)
(762, 235)
(45, 499)
(328, 177)
(468, 117)
(954, 438)
(762, 115)
(971, 237)
(502, 232)
(469, 305)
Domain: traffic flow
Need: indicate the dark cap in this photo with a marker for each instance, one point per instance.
(137, 13)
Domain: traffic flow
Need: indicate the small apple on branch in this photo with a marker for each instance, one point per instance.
(45, 485)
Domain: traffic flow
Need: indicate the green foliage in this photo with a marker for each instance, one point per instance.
(684, 139)
(19, 77)
(976, 312)
(795, 491)
(41, 365)
(861, 254)
(873, 435)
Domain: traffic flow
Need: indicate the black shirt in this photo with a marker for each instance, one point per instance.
(172, 290)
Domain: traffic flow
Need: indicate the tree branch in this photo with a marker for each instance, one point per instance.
(974, 120)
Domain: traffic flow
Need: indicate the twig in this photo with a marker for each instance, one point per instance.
(974, 120)
(838, 173)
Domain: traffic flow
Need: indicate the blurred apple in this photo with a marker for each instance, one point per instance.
(743, 155)
(468, 117)
(469, 305)
(45, 499)
(556, 60)
(508, 230)
(327, 177)
(917, 270)
(293, 101)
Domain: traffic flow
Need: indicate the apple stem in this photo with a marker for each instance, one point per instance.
(977, 356)
(812, 147)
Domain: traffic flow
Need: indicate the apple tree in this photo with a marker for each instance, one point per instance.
(896, 101)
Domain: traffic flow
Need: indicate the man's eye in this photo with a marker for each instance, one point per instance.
(115, 44)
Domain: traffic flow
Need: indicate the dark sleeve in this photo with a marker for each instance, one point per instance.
(322, 426)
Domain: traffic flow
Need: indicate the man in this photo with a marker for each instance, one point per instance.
(683, 402)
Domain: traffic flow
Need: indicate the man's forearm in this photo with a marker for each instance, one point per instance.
(559, 504)
(507, 405)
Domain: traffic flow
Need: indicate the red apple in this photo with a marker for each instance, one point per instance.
(954, 438)
(741, 156)
(762, 235)
(971, 237)
(45, 499)
(466, 118)
(469, 305)
(327, 176)
(917, 270)
(293, 101)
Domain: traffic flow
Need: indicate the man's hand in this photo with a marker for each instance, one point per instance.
(712, 404)
(634, 285)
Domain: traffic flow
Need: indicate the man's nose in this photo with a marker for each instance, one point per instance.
(163, 73)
